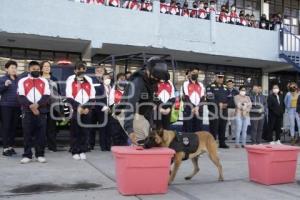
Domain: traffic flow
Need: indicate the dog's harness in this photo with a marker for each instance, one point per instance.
(185, 142)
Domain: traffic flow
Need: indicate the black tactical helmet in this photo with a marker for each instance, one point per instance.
(158, 68)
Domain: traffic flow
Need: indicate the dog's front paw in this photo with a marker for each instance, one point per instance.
(221, 179)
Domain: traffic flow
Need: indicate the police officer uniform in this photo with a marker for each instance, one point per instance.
(217, 95)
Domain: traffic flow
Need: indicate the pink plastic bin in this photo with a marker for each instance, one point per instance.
(272, 164)
(140, 171)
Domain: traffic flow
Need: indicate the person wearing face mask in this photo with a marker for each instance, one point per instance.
(276, 111)
(173, 8)
(253, 22)
(135, 111)
(166, 98)
(33, 94)
(146, 5)
(242, 20)
(164, 7)
(223, 14)
(192, 93)
(10, 109)
(257, 114)
(194, 11)
(231, 92)
(185, 12)
(290, 102)
(202, 13)
(118, 135)
(97, 115)
(243, 106)
(247, 17)
(216, 95)
(234, 18)
(264, 23)
(102, 113)
(54, 99)
(80, 94)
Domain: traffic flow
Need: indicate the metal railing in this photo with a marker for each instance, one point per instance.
(289, 47)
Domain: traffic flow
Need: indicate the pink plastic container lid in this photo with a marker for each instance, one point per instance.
(136, 150)
(269, 148)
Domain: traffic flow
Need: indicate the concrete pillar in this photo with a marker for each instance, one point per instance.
(156, 12)
(265, 83)
(212, 27)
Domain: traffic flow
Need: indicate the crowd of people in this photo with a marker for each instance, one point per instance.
(200, 9)
(123, 111)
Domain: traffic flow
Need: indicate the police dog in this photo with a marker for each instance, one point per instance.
(207, 143)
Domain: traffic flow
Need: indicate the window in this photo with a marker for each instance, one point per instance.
(239, 3)
(47, 55)
(74, 57)
(18, 53)
(32, 55)
(5, 52)
(60, 56)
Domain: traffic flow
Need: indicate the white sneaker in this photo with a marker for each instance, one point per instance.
(278, 142)
(76, 157)
(41, 160)
(25, 160)
(82, 156)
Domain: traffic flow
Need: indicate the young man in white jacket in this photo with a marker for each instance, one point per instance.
(80, 94)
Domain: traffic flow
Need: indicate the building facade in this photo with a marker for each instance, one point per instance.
(64, 29)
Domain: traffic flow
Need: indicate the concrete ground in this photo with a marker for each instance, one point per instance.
(64, 178)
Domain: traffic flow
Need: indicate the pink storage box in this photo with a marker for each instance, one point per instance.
(272, 164)
(142, 171)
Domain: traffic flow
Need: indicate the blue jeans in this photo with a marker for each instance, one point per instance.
(292, 116)
(241, 126)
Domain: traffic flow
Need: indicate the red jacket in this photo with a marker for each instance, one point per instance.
(101, 2)
(194, 13)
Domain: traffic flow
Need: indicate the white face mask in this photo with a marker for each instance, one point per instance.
(107, 81)
(243, 93)
(276, 91)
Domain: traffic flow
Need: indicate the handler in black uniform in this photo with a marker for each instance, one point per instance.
(218, 103)
(135, 111)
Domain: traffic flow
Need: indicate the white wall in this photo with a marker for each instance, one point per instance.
(101, 24)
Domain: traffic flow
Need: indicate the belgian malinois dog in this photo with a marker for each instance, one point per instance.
(207, 143)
